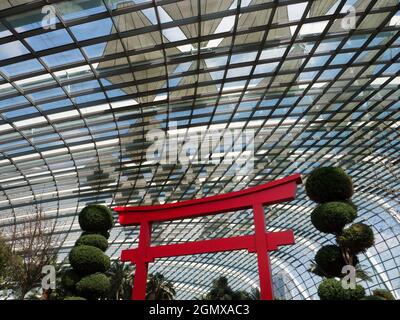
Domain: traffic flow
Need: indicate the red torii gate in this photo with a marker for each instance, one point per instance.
(260, 242)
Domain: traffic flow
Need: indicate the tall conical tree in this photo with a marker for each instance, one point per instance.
(332, 189)
(87, 278)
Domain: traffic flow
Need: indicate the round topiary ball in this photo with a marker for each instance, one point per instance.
(87, 259)
(105, 234)
(331, 217)
(330, 260)
(350, 203)
(384, 294)
(95, 217)
(74, 298)
(94, 286)
(331, 289)
(329, 184)
(358, 238)
(95, 240)
(69, 279)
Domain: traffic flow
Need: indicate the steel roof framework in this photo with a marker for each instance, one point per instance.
(75, 109)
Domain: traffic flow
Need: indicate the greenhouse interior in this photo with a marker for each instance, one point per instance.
(139, 140)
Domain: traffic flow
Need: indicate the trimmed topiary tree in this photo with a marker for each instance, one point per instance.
(357, 238)
(329, 184)
(94, 240)
(332, 189)
(87, 279)
(88, 259)
(331, 217)
(94, 286)
(69, 280)
(95, 217)
(331, 289)
(330, 261)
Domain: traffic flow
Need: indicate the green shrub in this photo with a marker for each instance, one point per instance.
(331, 289)
(94, 286)
(384, 294)
(105, 234)
(87, 259)
(358, 237)
(95, 240)
(329, 184)
(372, 298)
(96, 217)
(74, 298)
(331, 217)
(69, 280)
(350, 203)
(330, 260)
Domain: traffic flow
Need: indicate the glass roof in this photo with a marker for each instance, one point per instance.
(316, 81)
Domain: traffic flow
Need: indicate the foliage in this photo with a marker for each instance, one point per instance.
(332, 188)
(94, 240)
(329, 260)
(329, 184)
(362, 274)
(357, 238)
(8, 264)
(331, 289)
(383, 293)
(158, 288)
(221, 290)
(69, 279)
(255, 294)
(5, 255)
(87, 259)
(32, 242)
(121, 279)
(331, 217)
(373, 298)
(93, 286)
(74, 298)
(96, 217)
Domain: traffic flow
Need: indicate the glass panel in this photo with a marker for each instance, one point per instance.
(49, 40)
(63, 58)
(93, 29)
(12, 49)
(23, 67)
(32, 20)
(70, 10)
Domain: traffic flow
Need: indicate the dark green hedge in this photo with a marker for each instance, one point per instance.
(329, 184)
(95, 217)
(95, 240)
(330, 260)
(331, 217)
(358, 237)
(69, 279)
(87, 259)
(94, 286)
(331, 289)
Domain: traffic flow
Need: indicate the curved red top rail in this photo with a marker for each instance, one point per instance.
(269, 193)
